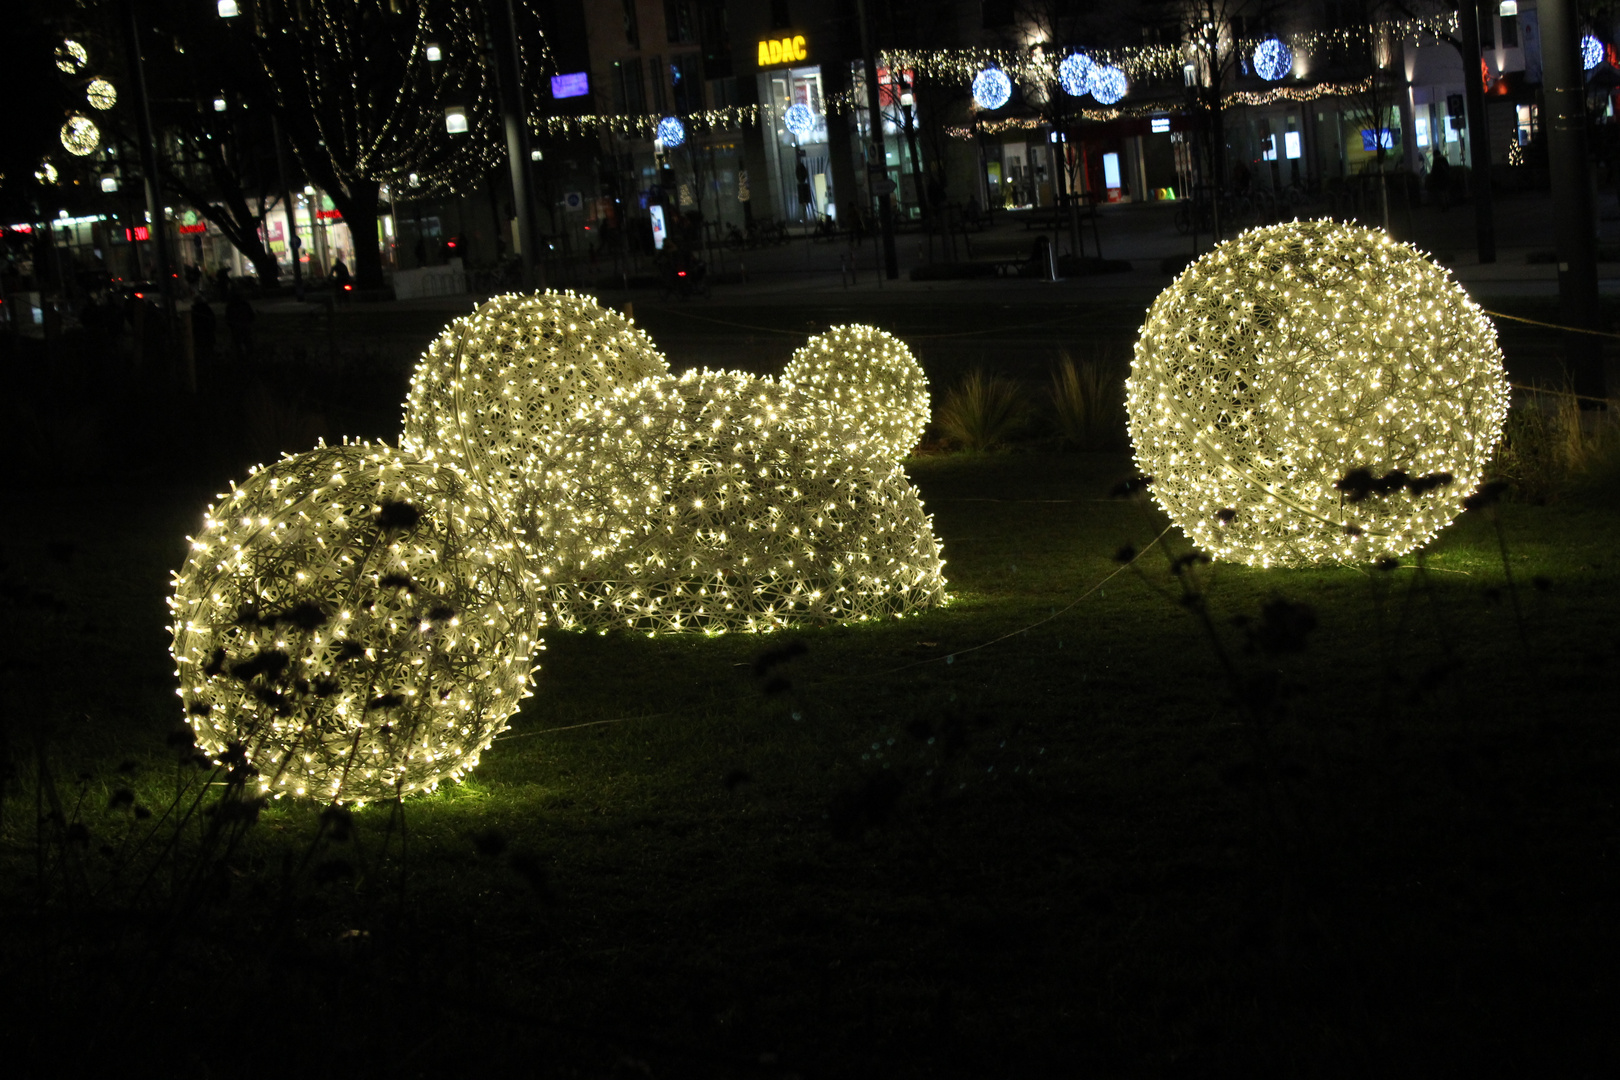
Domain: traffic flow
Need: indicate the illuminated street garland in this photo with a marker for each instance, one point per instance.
(643, 125)
(1312, 393)
(349, 625)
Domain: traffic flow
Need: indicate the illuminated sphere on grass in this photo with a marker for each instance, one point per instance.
(862, 387)
(492, 393)
(351, 621)
(1314, 393)
(750, 523)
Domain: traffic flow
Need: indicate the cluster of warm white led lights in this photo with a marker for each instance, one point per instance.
(360, 621)
(1314, 392)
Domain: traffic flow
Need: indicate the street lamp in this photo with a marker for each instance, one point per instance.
(228, 9)
(434, 53)
(1508, 9)
(455, 120)
(219, 104)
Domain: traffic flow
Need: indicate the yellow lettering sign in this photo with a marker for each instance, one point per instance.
(783, 50)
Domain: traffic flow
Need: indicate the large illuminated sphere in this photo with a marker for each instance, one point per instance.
(799, 119)
(671, 132)
(750, 522)
(1591, 52)
(80, 136)
(1288, 359)
(991, 88)
(101, 94)
(350, 618)
(493, 392)
(861, 388)
(1273, 59)
(1075, 72)
(1108, 85)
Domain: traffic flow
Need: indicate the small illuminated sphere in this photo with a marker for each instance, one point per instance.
(349, 619)
(71, 57)
(862, 388)
(1075, 72)
(46, 173)
(101, 94)
(80, 136)
(799, 119)
(671, 132)
(749, 521)
(492, 394)
(1108, 85)
(1592, 51)
(1273, 59)
(991, 88)
(1286, 363)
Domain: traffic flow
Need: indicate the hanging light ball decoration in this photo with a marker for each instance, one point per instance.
(1591, 52)
(492, 395)
(1273, 59)
(46, 173)
(349, 626)
(1314, 393)
(671, 132)
(101, 94)
(1108, 85)
(991, 88)
(1075, 72)
(753, 520)
(799, 119)
(861, 389)
(80, 136)
(71, 57)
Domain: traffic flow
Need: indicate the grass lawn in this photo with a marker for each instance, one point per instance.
(1065, 826)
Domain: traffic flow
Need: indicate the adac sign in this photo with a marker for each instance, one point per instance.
(774, 51)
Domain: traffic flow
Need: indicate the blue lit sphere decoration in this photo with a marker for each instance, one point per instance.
(991, 88)
(799, 119)
(1591, 52)
(1075, 74)
(671, 132)
(1108, 85)
(1273, 59)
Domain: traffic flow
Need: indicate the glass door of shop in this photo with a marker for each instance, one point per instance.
(796, 150)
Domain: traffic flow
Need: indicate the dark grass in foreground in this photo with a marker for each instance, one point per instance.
(1086, 847)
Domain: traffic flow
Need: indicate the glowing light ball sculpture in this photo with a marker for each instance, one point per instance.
(1075, 72)
(671, 132)
(1108, 85)
(862, 390)
(1591, 52)
(1285, 364)
(80, 136)
(352, 621)
(799, 119)
(1273, 59)
(751, 523)
(991, 88)
(490, 397)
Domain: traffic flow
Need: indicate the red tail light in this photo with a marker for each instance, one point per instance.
(680, 273)
(348, 288)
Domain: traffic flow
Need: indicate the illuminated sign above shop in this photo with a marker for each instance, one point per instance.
(786, 50)
(577, 84)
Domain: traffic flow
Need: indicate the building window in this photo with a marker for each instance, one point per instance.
(655, 75)
(1510, 31)
(1487, 30)
(781, 18)
(628, 93)
(678, 22)
(685, 75)
(632, 29)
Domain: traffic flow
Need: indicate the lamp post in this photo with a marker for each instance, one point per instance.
(509, 75)
(874, 108)
(143, 122)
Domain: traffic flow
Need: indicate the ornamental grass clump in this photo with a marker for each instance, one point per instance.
(1087, 403)
(983, 412)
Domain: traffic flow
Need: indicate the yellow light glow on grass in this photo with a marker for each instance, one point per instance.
(1314, 392)
(351, 619)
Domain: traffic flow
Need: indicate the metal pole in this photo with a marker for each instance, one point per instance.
(891, 259)
(509, 68)
(294, 244)
(1479, 139)
(1574, 224)
(143, 122)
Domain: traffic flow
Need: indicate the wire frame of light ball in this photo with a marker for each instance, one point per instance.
(1273, 60)
(1592, 51)
(1075, 72)
(670, 131)
(991, 89)
(1108, 85)
(80, 136)
(754, 521)
(1286, 360)
(351, 620)
(799, 119)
